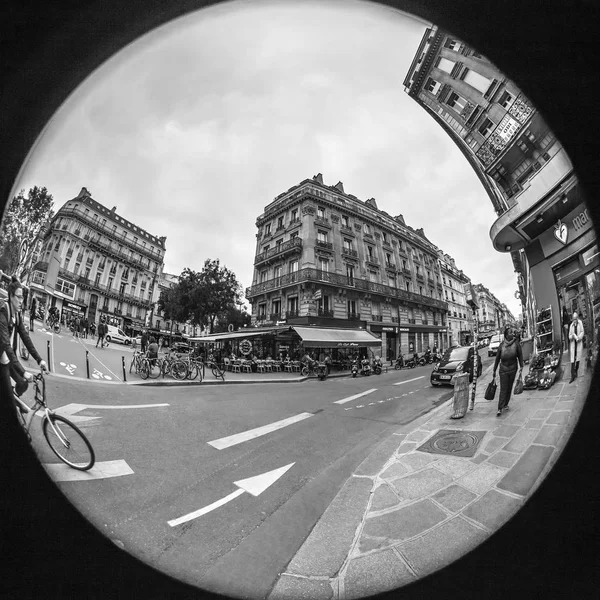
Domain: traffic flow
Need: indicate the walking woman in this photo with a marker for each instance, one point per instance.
(576, 334)
(509, 356)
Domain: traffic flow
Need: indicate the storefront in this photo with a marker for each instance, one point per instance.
(72, 310)
(564, 272)
(340, 344)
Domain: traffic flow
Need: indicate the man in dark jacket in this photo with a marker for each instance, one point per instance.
(32, 313)
(101, 333)
(11, 327)
(144, 340)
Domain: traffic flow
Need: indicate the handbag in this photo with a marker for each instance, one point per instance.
(490, 391)
(518, 386)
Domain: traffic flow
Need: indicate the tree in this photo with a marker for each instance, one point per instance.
(23, 220)
(170, 303)
(233, 316)
(209, 295)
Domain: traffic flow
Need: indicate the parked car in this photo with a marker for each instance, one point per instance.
(494, 344)
(115, 334)
(454, 361)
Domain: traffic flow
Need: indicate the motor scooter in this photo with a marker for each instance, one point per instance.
(365, 367)
(410, 363)
(399, 364)
(321, 370)
(377, 366)
(354, 368)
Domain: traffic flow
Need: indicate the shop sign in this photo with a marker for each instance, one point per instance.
(392, 329)
(347, 344)
(403, 329)
(73, 306)
(245, 347)
(507, 129)
(566, 230)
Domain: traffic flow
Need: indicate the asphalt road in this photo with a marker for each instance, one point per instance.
(157, 465)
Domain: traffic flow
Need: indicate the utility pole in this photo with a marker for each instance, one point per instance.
(471, 298)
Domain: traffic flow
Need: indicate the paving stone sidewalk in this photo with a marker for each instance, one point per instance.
(389, 525)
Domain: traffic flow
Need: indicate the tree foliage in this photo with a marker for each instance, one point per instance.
(207, 297)
(23, 220)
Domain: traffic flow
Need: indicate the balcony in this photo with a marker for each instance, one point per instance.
(353, 316)
(111, 249)
(390, 265)
(293, 223)
(420, 277)
(430, 282)
(372, 259)
(349, 252)
(97, 225)
(342, 281)
(325, 313)
(293, 246)
(378, 318)
(345, 229)
(323, 221)
(276, 316)
(439, 287)
(323, 244)
(412, 321)
(406, 272)
(291, 314)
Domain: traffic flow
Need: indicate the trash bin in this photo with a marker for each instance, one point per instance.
(461, 396)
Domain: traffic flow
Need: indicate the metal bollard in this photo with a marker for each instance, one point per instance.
(87, 363)
(124, 373)
(48, 356)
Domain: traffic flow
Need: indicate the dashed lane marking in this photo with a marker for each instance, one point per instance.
(101, 470)
(350, 398)
(409, 380)
(251, 434)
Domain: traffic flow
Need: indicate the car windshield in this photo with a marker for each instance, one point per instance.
(457, 354)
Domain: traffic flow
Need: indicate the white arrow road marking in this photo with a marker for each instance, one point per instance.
(415, 379)
(244, 436)
(253, 485)
(350, 398)
(69, 410)
(101, 470)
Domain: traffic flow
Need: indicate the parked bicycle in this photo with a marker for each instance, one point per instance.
(215, 369)
(175, 366)
(136, 361)
(65, 439)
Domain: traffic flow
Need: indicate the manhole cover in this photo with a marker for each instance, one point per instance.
(453, 442)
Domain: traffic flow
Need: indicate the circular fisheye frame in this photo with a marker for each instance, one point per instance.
(319, 317)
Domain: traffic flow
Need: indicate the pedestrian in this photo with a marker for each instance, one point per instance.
(144, 341)
(509, 356)
(576, 333)
(32, 313)
(160, 343)
(101, 332)
(93, 328)
(566, 321)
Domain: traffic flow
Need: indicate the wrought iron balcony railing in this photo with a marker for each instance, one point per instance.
(353, 316)
(325, 313)
(291, 314)
(339, 280)
(349, 252)
(291, 246)
(324, 244)
(377, 318)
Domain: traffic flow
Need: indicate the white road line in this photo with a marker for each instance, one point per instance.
(117, 406)
(408, 380)
(244, 436)
(101, 470)
(206, 509)
(92, 354)
(350, 398)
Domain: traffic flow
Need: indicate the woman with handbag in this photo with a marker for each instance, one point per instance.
(509, 356)
(576, 334)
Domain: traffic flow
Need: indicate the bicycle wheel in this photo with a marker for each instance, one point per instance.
(217, 372)
(193, 371)
(144, 369)
(304, 372)
(155, 369)
(133, 361)
(68, 442)
(179, 370)
(57, 328)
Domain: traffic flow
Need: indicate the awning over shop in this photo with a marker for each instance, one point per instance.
(231, 335)
(315, 337)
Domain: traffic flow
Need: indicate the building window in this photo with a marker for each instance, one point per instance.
(433, 86)
(323, 265)
(320, 212)
(407, 286)
(293, 305)
(268, 229)
(388, 259)
(345, 222)
(294, 215)
(263, 276)
(391, 280)
(280, 223)
(277, 307)
(370, 252)
(65, 287)
(277, 271)
(367, 229)
(266, 248)
(485, 127)
(322, 236)
(452, 44)
(373, 276)
(262, 311)
(456, 102)
(347, 244)
(505, 99)
(293, 266)
(352, 308)
(350, 274)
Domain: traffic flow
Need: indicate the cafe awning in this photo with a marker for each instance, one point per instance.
(231, 335)
(316, 337)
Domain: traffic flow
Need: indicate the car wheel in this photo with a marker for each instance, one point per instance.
(127, 342)
(107, 338)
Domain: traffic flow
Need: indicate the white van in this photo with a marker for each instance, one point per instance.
(494, 344)
(115, 334)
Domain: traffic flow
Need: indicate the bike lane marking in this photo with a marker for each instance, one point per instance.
(350, 398)
(92, 354)
(409, 380)
(251, 434)
(100, 470)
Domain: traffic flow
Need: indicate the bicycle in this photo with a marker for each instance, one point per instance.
(65, 439)
(215, 369)
(53, 323)
(151, 367)
(136, 361)
(175, 366)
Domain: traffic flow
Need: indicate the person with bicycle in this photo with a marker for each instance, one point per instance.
(152, 353)
(11, 327)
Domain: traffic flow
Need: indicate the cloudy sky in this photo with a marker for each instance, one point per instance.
(192, 130)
